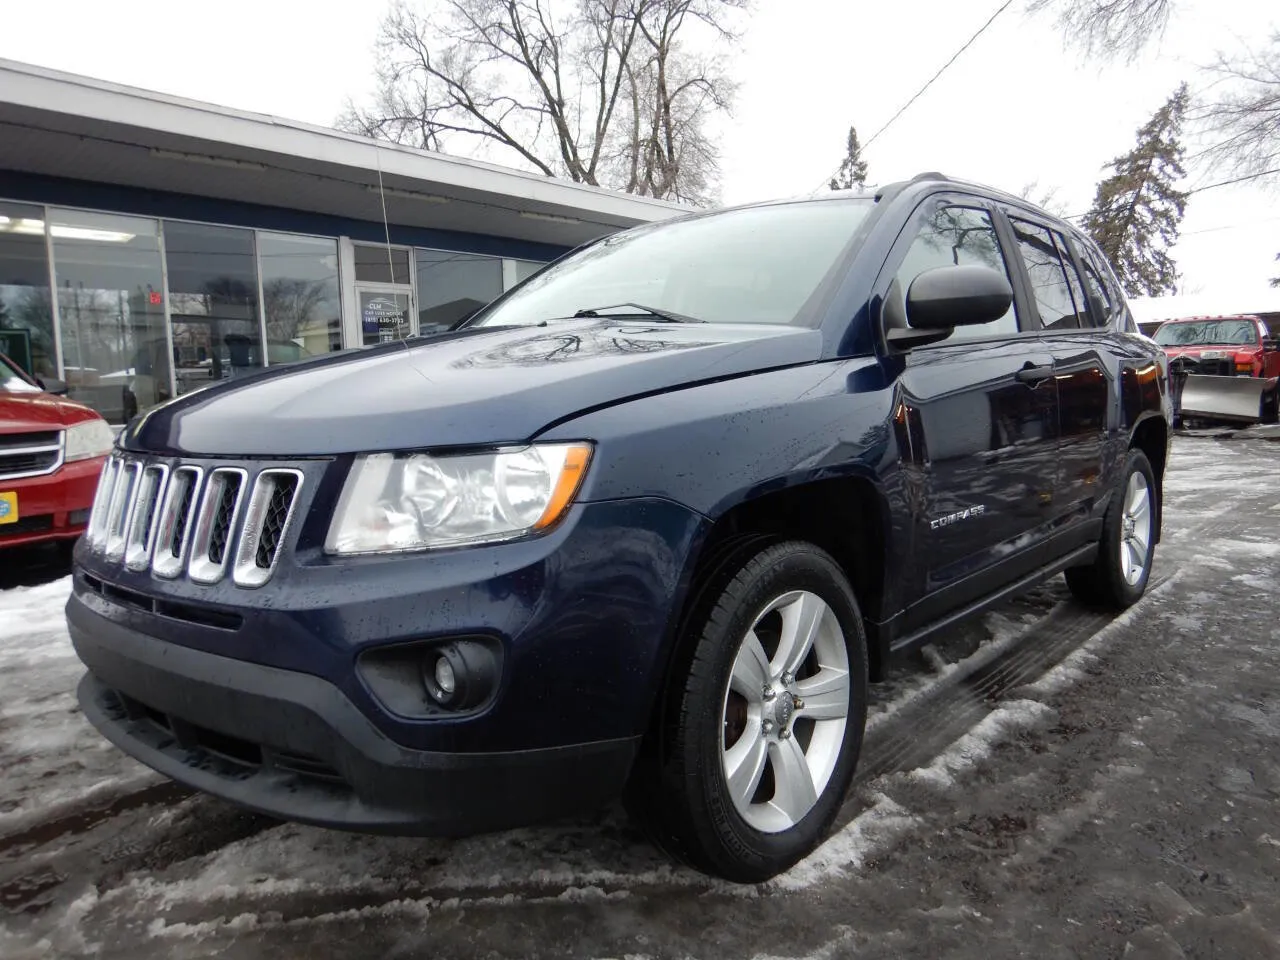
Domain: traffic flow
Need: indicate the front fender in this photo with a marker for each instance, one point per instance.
(713, 446)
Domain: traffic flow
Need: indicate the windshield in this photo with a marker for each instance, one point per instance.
(1207, 331)
(12, 380)
(757, 265)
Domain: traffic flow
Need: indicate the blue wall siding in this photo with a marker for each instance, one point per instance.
(56, 191)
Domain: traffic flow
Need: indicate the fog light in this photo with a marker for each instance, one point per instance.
(445, 678)
(459, 675)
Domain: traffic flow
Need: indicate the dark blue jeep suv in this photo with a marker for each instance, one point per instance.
(645, 526)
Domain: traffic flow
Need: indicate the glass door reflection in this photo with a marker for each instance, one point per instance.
(386, 315)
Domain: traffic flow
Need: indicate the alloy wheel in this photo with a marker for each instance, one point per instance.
(1135, 532)
(785, 711)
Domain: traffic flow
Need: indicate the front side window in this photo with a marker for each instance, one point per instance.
(1203, 332)
(958, 236)
(1049, 279)
(755, 265)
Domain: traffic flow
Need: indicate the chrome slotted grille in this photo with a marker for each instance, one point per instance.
(265, 525)
(119, 508)
(30, 454)
(98, 515)
(184, 520)
(219, 509)
(140, 536)
(169, 553)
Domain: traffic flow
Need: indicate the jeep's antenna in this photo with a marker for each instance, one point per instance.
(386, 228)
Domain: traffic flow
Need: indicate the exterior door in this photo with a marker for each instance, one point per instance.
(386, 313)
(982, 412)
(1058, 298)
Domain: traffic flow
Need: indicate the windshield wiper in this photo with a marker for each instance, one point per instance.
(639, 309)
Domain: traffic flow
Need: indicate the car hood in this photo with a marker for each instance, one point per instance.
(27, 412)
(1173, 352)
(472, 387)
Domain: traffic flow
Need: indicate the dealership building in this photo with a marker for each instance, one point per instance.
(150, 244)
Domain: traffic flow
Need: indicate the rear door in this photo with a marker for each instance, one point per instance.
(1072, 333)
(981, 413)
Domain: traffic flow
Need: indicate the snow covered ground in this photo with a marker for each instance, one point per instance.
(51, 760)
(191, 876)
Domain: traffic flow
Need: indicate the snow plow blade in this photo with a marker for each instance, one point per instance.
(1238, 399)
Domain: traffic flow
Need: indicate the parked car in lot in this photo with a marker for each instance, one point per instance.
(1232, 366)
(644, 526)
(51, 452)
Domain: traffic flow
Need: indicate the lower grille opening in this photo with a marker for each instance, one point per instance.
(223, 754)
(36, 524)
(304, 764)
(204, 616)
(127, 598)
(224, 747)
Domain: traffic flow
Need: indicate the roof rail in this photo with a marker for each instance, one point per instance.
(890, 190)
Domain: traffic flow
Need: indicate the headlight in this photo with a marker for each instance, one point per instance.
(93, 438)
(419, 502)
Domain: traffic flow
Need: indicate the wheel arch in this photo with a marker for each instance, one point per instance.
(1151, 435)
(846, 516)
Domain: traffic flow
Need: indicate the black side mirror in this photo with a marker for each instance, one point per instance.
(52, 385)
(947, 297)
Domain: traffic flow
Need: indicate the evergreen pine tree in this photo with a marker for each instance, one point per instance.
(853, 169)
(1137, 210)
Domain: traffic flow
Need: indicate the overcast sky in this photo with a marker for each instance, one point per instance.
(1016, 107)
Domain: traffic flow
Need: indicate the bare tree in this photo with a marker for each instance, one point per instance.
(1046, 198)
(605, 92)
(1242, 111)
(1109, 28)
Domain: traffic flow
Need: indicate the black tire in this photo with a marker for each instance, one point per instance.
(1103, 583)
(1271, 406)
(679, 792)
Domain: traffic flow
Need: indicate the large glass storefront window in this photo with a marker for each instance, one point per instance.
(26, 313)
(213, 303)
(452, 286)
(300, 296)
(378, 264)
(111, 311)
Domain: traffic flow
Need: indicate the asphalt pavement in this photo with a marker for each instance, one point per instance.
(1046, 782)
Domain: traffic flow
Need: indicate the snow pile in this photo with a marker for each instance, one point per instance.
(1003, 632)
(976, 745)
(51, 760)
(867, 835)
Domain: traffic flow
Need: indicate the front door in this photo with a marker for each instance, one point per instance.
(386, 313)
(982, 413)
(1058, 296)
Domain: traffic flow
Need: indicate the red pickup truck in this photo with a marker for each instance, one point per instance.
(1232, 363)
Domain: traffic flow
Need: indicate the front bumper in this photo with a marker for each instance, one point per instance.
(258, 695)
(292, 745)
(54, 506)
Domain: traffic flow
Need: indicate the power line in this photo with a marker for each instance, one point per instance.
(1229, 226)
(1223, 183)
(930, 82)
